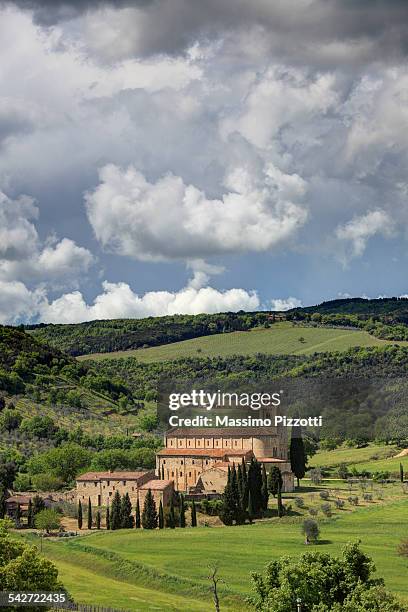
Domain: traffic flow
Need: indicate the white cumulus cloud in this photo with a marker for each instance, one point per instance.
(356, 233)
(169, 219)
(280, 304)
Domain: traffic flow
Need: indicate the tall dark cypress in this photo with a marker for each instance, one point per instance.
(274, 480)
(162, 472)
(137, 514)
(251, 507)
(126, 519)
(182, 512)
(240, 483)
(297, 454)
(193, 514)
(264, 492)
(107, 518)
(401, 472)
(98, 520)
(171, 519)
(79, 515)
(245, 488)
(89, 518)
(115, 515)
(161, 515)
(255, 486)
(149, 515)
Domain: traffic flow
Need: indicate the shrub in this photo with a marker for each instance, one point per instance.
(326, 509)
(315, 476)
(313, 511)
(310, 530)
(324, 494)
(403, 548)
(353, 499)
(368, 497)
(299, 502)
(339, 503)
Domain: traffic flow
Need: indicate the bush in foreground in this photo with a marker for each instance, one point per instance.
(323, 583)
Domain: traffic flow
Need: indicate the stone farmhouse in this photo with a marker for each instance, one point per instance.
(194, 462)
(100, 487)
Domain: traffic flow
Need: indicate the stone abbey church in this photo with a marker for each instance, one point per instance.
(195, 462)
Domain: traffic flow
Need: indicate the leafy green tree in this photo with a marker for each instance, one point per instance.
(316, 476)
(8, 470)
(149, 515)
(22, 568)
(115, 515)
(48, 520)
(138, 521)
(193, 514)
(46, 482)
(65, 461)
(323, 584)
(182, 512)
(89, 514)
(297, 454)
(161, 515)
(126, 512)
(79, 517)
(42, 427)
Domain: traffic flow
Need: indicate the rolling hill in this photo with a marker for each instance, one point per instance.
(282, 338)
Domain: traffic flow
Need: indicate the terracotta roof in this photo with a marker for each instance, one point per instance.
(18, 499)
(236, 451)
(222, 431)
(92, 476)
(272, 460)
(193, 452)
(157, 485)
(222, 465)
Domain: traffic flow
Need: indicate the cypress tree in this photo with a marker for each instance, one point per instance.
(240, 483)
(274, 480)
(401, 472)
(238, 510)
(98, 520)
(149, 515)
(79, 515)
(251, 507)
(193, 514)
(228, 511)
(255, 486)
(297, 454)
(89, 514)
(115, 515)
(265, 494)
(137, 514)
(279, 500)
(30, 516)
(182, 512)
(171, 520)
(162, 472)
(245, 488)
(161, 515)
(126, 519)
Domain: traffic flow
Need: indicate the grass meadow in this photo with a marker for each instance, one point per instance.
(280, 339)
(167, 570)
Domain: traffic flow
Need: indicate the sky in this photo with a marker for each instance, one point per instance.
(172, 156)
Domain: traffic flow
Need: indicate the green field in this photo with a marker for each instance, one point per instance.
(374, 458)
(167, 570)
(280, 339)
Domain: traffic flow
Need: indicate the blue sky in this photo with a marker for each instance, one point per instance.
(164, 157)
